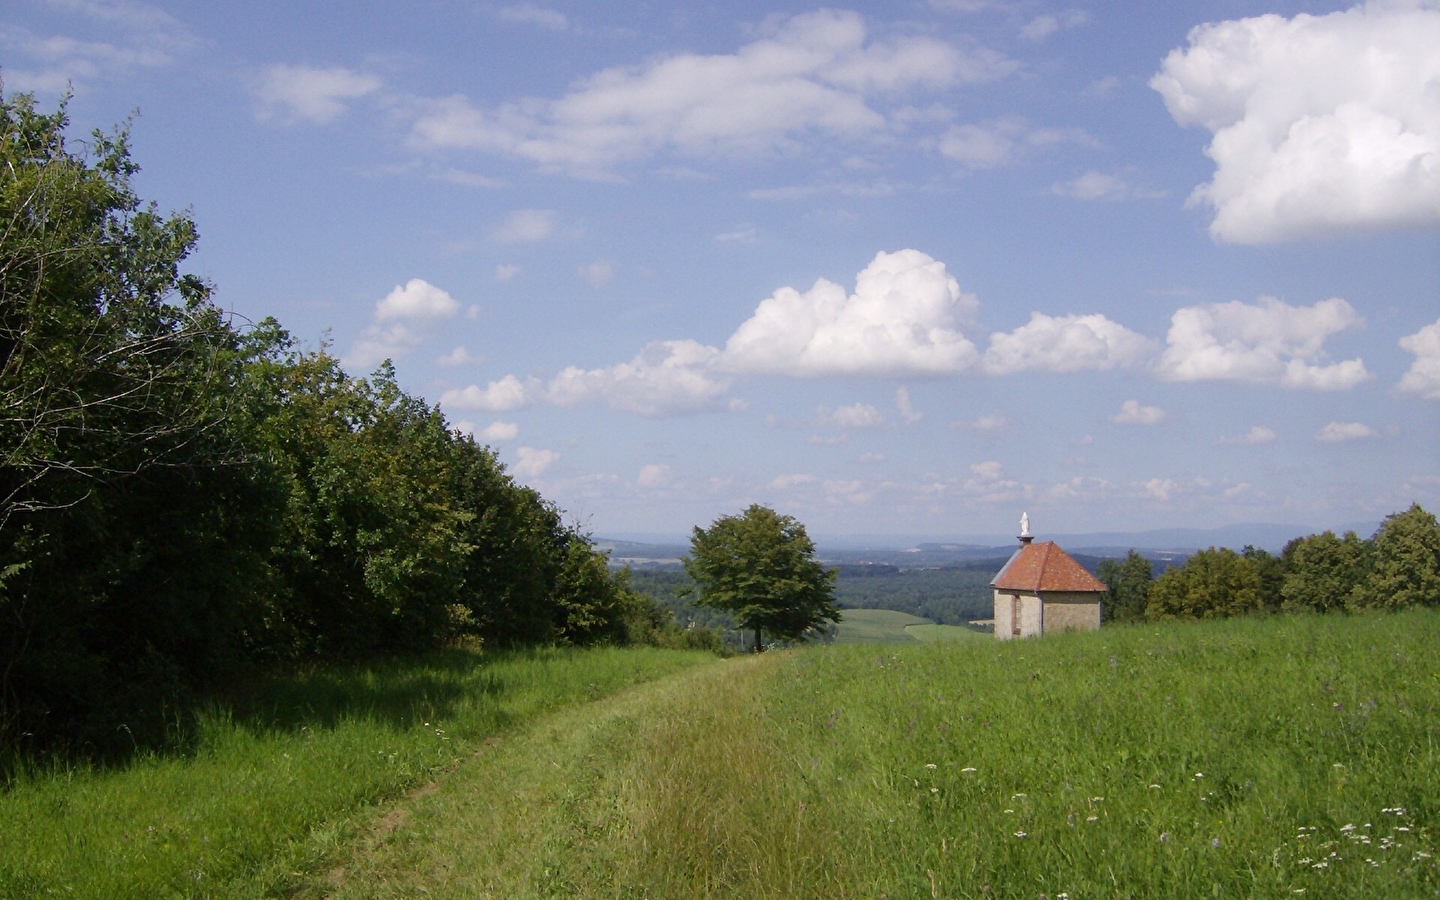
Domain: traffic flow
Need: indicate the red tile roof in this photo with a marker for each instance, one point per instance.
(1043, 566)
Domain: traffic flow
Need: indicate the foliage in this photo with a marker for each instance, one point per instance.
(1128, 584)
(185, 502)
(1325, 573)
(1407, 562)
(760, 566)
(1211, 584)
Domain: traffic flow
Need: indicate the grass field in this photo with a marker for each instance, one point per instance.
(1287, 757)
(1274, 757)
(883, 626)
(281, 783)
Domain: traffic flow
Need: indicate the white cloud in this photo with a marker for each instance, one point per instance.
(470, 179)
(459, 357)
(599, 273)
(530, 14)
(524, 225)
(1268, 343)
(824, 440)
(812, 77)
(1339, 432)
(856, 415)
(1101, 88)
(417, 299)
(667, 377)
(1132, 413)
(653, 475)
(379, 342)
(871, 457)
(903, 318)
(1322, 124)
(985, 425)
(1041, 27)
(785, 482)
(313, 94)
(744, 235)
(1094, 185)
(1423, 377)
(907, 410)
(851, 491)
(500, 431)
(498, 396)
(506, 271)
(533, 462)
(1066, 344)
(1000, 142)
(137, 36)
(1258, 434)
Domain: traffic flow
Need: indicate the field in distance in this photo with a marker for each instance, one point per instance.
(879, 626)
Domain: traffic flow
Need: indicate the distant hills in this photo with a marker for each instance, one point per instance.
(914, 551)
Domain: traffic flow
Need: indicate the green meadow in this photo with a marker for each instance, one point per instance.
(1287, 756)
(871, 626)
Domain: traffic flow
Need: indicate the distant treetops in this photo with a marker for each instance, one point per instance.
(1397, 568)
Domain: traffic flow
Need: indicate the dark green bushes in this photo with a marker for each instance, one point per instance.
(183, 500)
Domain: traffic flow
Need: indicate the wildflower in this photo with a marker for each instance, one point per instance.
(1021, 834)
(1199, 774)
(1164, 836)
(929, 765)
(1091, 818)
(1347, 828)
(968, 769)
(1009, 810)
(1339, 765)
(1017, 795)
(1214, 842)
(1154, 787)
(934, 790)
(1097, 799)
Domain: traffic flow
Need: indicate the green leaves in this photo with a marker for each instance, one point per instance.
(760, 566)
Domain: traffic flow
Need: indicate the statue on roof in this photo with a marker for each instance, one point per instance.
(1025, 524)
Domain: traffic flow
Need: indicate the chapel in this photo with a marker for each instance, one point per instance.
(1043, 590)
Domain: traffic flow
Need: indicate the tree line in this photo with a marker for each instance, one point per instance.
(1396, 568)
(185, 498)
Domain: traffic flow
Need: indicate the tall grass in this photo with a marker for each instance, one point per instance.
(1282, 757)
(278, 782)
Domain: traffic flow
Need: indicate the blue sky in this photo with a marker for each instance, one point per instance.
(888, 267)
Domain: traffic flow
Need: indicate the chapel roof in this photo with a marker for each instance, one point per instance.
(1043, 566)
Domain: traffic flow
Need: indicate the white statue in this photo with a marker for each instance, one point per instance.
(1025, 524)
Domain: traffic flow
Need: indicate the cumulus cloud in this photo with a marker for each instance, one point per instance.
(524, 225)
(667, 377)
(1322, 124)
(500, 431)
(1339, 432)
(856, 415)
(1423, 377)
(533, 462)
(653, 475)
(310, 93)
(136, 36)
(1258, 434)
(904, 317)
(506, 394)
(785, 482)
(818, 75)
(506, 271)
(1132, 413)
(403, 320)
(1000, 142)
(1266, 343)
(1094, 185)
(985, 425)
(1066, 344)
(416, 299)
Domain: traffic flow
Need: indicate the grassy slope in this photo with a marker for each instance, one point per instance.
(1262, 758)
(275, 789)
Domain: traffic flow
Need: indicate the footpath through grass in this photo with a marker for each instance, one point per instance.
(1283, 757)
(273, 790)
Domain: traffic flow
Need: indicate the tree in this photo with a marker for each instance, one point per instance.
(760, 566)
(1129, 588)
(1407, 562)
(1324, 572)
(1211, 584)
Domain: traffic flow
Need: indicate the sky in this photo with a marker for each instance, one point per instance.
(901, 268)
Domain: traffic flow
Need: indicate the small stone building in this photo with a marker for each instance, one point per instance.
(1043, 590)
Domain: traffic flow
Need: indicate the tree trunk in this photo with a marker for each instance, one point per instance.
(758, 646)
